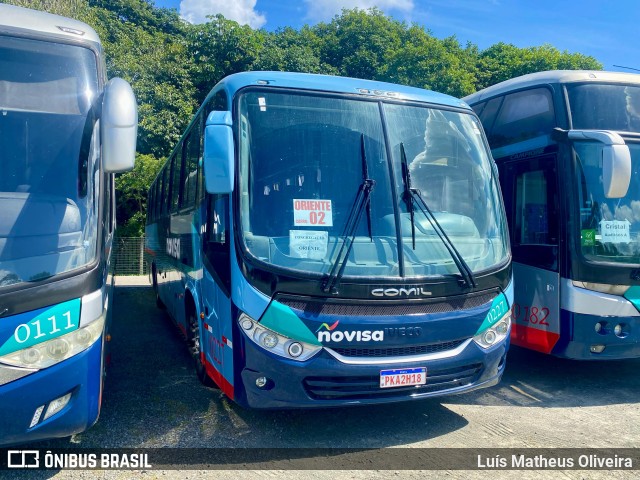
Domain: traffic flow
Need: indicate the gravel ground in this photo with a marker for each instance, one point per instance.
(152, 399)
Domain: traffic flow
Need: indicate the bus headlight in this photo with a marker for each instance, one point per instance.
(275, 342)
(50, 352)
(494, 334)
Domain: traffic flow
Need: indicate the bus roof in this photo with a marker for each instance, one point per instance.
(552, 76)
(12, 17)
(329, 83)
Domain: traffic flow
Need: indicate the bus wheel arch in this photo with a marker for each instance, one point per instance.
(193, 340)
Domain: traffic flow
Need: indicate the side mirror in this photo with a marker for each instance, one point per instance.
(219, 153)
(616, 170)
(119, 126)
(616, 160)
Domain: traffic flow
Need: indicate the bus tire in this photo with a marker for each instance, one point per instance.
(154, 279)
(193, 339)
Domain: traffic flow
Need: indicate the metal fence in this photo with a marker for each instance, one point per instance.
(129, 256)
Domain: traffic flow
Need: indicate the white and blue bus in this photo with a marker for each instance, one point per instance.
(326, 241)
(567, 144)
(64, 131)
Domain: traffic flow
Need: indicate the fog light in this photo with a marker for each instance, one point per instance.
(490, 337)
(36, 416)
(295, 349)
(596, 348)
(268, 340)
(56, 405)
(598, 327)
(261, 382)
(617, 330)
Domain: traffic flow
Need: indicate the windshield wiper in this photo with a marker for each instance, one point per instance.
(413, 196)
(365, 178)
(407, 195)
(361, 203)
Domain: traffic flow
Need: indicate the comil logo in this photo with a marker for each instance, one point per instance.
(330, 334)
(401, 292)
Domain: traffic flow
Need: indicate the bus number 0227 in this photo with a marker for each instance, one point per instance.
(530, 314)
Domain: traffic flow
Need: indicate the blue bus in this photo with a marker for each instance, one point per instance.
(64, 132)
(567, 144)
(324, 241)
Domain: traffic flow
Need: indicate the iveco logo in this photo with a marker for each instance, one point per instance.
(400, 292)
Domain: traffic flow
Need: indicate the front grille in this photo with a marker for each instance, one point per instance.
(398, 351)
(381, 307)
(366, 387)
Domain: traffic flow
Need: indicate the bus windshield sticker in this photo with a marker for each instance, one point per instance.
(307, 213)
(308, 244)
(263, 104)
(615, 231)
(588, 238)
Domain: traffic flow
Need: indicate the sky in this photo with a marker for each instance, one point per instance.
(605, 30)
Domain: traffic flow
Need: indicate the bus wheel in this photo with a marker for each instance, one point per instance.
(154, 277)
(194, 348)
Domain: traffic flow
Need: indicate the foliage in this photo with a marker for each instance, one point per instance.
(503, 61)
(131, 196)
(219, 48)
(172, 65)
(147, 47)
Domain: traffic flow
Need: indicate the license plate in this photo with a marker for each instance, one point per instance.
(403, 377)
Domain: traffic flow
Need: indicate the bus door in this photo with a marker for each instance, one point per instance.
(530, 189)
(216, 331)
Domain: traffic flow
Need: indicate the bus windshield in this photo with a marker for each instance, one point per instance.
(304, 158)
(605, 107)
(48, 172)
(609, 227)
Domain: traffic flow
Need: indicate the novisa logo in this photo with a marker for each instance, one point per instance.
(330, 334)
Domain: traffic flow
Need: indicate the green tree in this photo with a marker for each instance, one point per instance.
(156, 63)
(358, 43)
(131, 197)
(78, 9)
(427, 62)
(290, 50)
(219, 48)
(503, 61)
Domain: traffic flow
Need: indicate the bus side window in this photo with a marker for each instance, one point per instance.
(157, 198)
(522, 115)
(217, 241)
(165, 191)
(218, 103)
(192, 154)
(488, 113)
(107, 214)
(182, 159)
(112, 209)
(176, 185)
(532, 207)
(170, 185)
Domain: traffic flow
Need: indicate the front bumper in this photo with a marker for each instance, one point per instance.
(323, 381)
(579, 336)
(81, 375)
